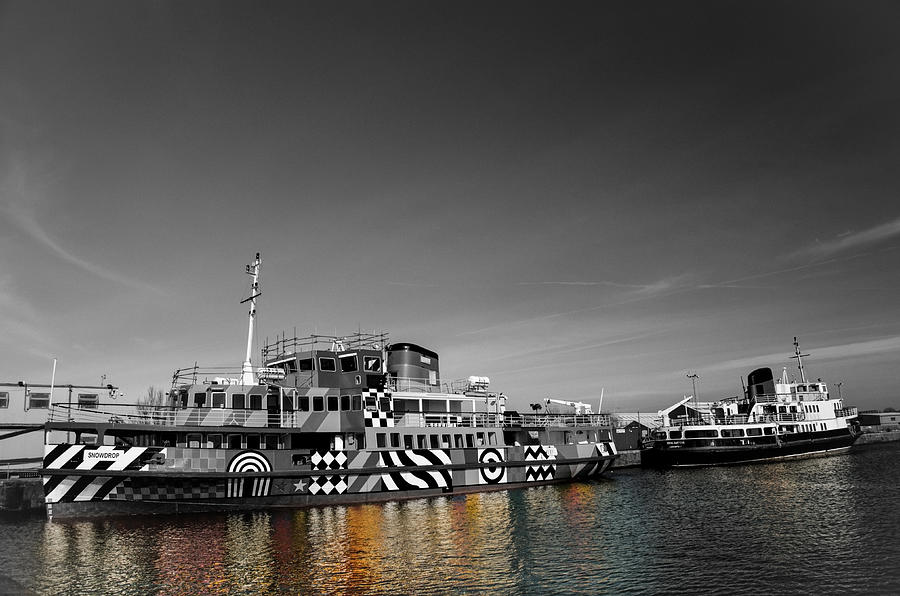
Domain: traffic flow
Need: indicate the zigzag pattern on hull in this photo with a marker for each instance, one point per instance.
(540, 453)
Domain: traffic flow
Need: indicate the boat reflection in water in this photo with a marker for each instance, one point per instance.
(838, 515)
(417, 545)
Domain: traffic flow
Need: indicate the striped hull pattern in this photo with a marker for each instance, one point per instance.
(86, 480)
(416, 478)
(80, 480)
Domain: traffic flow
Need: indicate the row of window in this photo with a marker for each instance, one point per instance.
(436, 441)
(812, 427)
(811, 407)
(303, 403)
(348, 364)
(219, 441)
(726, 433)
(41, 401)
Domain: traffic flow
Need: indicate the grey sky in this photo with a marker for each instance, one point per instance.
(561, 196)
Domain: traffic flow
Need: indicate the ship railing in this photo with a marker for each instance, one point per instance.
(194, 375)
(412, 385)
(846, 413)
(490, 419)
(739, 419)
(766, 398)
(283, 345)
(119, 414)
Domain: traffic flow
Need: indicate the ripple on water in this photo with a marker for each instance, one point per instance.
(823, 525)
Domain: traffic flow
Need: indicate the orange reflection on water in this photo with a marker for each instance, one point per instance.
(191, 559)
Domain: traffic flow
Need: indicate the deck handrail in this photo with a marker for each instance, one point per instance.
(169, 415)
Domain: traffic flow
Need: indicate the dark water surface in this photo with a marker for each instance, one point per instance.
(822, 526)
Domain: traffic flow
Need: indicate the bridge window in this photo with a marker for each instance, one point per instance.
(287, 403)
(379, 441)
(673, 434)
(271, 441)
(421, 440)
(256, 401)
(199, 399)
(470, 441)
(345, 403)
(4, 399)
(305, 364)
(214, 441)
(445, 441)
(407, 442)
(304, 403)
(234, 441)
(492, 438)
(458, 441)
(253, 442)
(372, 364)
(395, 439)
(384, 404)
(318, 403)
(332, 403)
(218, 400)
(435, 442)
(238, 400)
(348, 363)
(193, 441)
(326, 364)
(356, 403)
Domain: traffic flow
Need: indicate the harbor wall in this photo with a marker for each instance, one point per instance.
(21, 494)
(879, 434)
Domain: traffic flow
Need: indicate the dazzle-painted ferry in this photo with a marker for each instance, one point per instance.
(775, 419)
(326, 419)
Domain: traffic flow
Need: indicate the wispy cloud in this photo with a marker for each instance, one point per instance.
(412, 284)
(16, 198)
(851, 240)
(639, 293)
(656, 287)
(873, 347)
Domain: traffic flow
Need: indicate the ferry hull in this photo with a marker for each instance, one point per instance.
(800, 446)
(81, 482)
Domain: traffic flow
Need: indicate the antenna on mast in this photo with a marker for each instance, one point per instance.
(247, 377)
(799, 357)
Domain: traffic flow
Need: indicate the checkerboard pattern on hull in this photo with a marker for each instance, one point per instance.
(328, 484)
(378, 419)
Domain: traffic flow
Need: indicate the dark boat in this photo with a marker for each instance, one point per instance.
(776, 419)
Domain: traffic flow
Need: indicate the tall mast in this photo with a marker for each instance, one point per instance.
(799, 358)
(247, 377)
